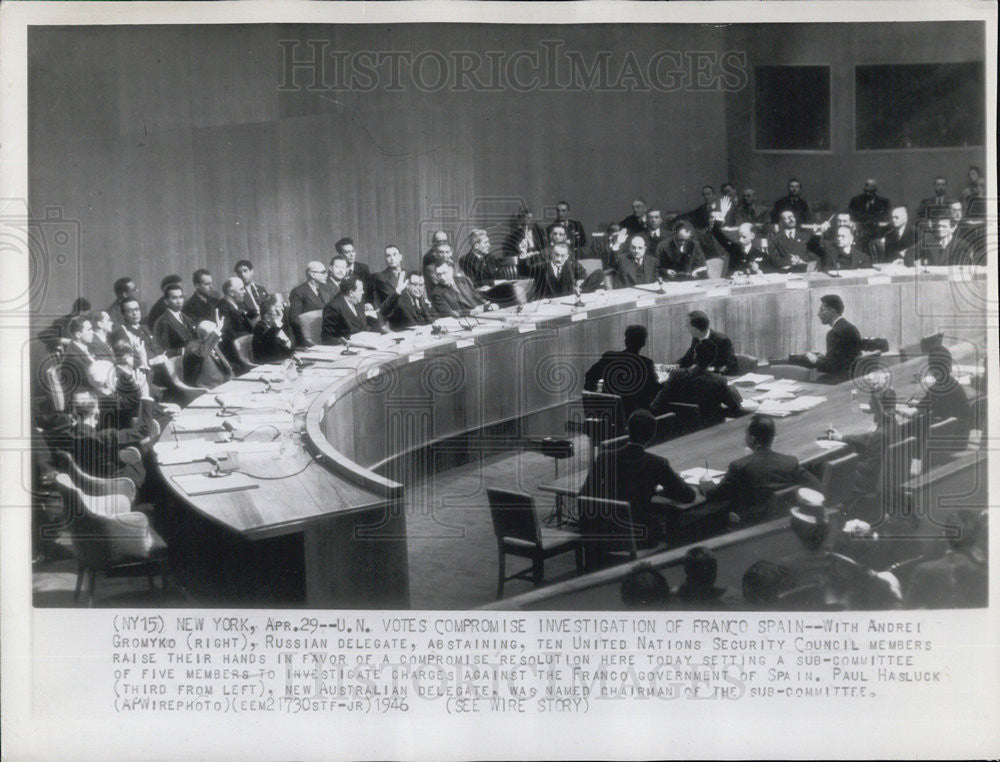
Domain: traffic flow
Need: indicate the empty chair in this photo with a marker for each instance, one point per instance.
(607, 531)
(746, 363)
(175, 372)
(604, 418)
(838, 479)
(518, 533)
(117, 543)
(716, 267)
(244, 350)
(590, 265)
(311, 324)
(793, 372)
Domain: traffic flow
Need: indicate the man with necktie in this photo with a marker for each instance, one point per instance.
(410, 308)
(256, 294)
(392, 280)
(935, 206)
(868, 211)
(174, 329)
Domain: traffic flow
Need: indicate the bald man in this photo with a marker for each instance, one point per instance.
(312, 295)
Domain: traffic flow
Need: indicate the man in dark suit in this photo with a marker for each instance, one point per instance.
(899, 240)
(681, 256)
(608, 247)
(313, 294)
(100, 346)
(627, 472)
(148, 355)
(345, 314)
(125, 288)
(701, 217)
(936, 206)
(747, 210)
(869, 211)
(843, 342)
(453, 294)
(745, 254)
(555, 275)
(202, 303)
(256, 294)
(944, 398)
(203, 364)
(791, 249)
(271, 340)
(750, 481)
(237, 321)
(636, 268)
(527, 231)
(410, 308)
(793, 202)
(345, 247)
(392, 280)
(656, 232)
(959, 579)
(575, 235)
(724, 360)
(843, 255)
(76, 356)
(160, 305)
(635, 222)
(699, 386)
(627, 373)
(174, 330)
(948, 248)
(476, 263)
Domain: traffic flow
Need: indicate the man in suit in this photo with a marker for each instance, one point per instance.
(943, 398)
(527, 231)
(791, 249)
(792, 202)
(100, 346)
(476, 263)
(575, 235)
(636, 268)
(555, 275)
(160, 305)
(607, 247)
(345, 247)
(313, 294)
(843, 342)
(843, 255)
(745, 254)
(148, 355)
(959, 579)
(970, 232)
(256, 294)
(635, 222)
(236, 320)
(701, 217)
(203, 364)
(174, 330)
(948, 248)
(627, 373)
(681, 256)
(392, 280)
(453, 294)
(437, 237)
(936, 206)
(339, 267)
(202, 303)
(272, 342)
(655, 232)
(724, 360)
(347, 313)
(900, 240)
(699, 386)
(125, 288)
(868, 211)
(750, 481)
(627, 472)
(440, 251)
(77, 356)
(747, 210)
(411, 307)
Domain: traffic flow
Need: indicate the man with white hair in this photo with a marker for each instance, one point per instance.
(899, 241)
(843, 254)
(639, 267)
(203, 364)
(312, 295)
(236, 319)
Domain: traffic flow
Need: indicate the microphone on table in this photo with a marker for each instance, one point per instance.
(348, 350)
(225, 412)
(659, 282)
(217, 472)
(267, 384)
(579, 299)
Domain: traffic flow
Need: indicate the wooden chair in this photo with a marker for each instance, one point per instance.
(717, 267)
(518, 533)
(311, 324)
(604, 418)
(117, 544)
(746, 363)
(175, 372)
(793, 372)
(607, 532)
(244, 350)
(838, 479)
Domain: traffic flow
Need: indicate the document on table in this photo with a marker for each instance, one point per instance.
(694, 475)
(752, 379)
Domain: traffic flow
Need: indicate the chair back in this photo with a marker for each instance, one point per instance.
(54, 388)
(244, 350)
(977, 411)
(92, 485)
(902, 462)
(311, 324)
(792, 372)
(746, 363)
(590, 265)
(175, 372)
(941, 438)
(608, 410)
(513, 515)
(100, 540)
(606, 526)
(838, 479)
(687, 418)
(716, 267)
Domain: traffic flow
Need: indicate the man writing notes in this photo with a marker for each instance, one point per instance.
(627, 373)
(680, 256)
(843, 343)
(697, 385)
(725, 357)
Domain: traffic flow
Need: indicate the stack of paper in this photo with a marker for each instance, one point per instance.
(693, 475)
(781, 384)
(801, 404)
(751, 379)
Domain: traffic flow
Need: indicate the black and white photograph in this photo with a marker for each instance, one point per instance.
(487, 359)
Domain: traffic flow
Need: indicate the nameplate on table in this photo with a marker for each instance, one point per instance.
(794, 283)
(415, 357)
(202, 484)
(526, 328)
(694, 475)
(879, 280)
(464, 343)
(578, 316)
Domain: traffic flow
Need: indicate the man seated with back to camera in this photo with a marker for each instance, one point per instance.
(628, 472)
(272, 341)
(699, 386)
(746, 489)
(959, 579)
(698, 591)
(626, 373)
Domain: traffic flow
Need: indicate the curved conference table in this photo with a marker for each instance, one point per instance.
(327, 527)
